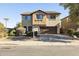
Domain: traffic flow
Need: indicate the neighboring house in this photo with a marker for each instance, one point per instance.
(42, 21)
(66, 24)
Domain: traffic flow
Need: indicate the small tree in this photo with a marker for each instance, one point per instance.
(20, 29)
(12, 32)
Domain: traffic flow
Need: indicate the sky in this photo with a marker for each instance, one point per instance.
(13, 10)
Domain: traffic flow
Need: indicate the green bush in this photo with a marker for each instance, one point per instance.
(35, 33)
(70, 32)
(77, 34)
(12, 32)
(31, 33)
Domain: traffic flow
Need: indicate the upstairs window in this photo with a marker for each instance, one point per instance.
(51, 17)
(39, 16)
(27, 17)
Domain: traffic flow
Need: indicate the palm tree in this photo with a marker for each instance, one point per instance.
(6, 19)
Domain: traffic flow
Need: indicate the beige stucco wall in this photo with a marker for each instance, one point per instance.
(35, 20)
(45, 21)
(53, 22)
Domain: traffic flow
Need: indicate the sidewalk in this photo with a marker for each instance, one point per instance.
(37, 43)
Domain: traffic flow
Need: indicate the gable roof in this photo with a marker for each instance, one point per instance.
(65, 18)
(47, 12)
(52, 12)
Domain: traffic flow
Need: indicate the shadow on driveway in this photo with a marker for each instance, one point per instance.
(20, 38)
(54, 38)
(63, 41)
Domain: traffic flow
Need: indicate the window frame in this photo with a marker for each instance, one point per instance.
(51, 17)
(28, 17)
(39, 17)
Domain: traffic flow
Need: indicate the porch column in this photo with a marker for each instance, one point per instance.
(58, 29)
(33, 31)
(38, 29)
(27, 28)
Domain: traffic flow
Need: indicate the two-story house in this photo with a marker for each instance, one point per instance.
(42, 21)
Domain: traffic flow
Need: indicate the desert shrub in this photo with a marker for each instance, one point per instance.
(70, 32)
(1, 35)
(20, 31)
(3, 32)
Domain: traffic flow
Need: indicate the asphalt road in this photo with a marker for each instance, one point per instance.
(39, 50)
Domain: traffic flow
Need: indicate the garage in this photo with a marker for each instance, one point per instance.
(48, 30)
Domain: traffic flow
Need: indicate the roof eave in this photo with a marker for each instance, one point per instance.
(42, 11)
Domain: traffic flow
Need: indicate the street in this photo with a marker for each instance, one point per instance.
(39, 50)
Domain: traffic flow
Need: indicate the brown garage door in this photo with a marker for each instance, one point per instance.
(49, 30)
